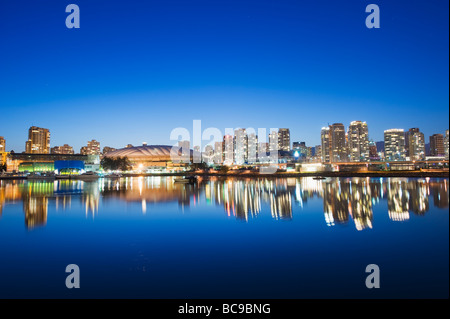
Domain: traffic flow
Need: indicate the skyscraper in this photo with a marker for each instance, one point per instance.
(240, 146)
(65, 149)
(92, 148)
(218, 152)
(394, 145)
(337, 143)
(358, 141)
(38, 141)
(446, 145)
(415, 144)
(2, 144)
(437, 145)
(273, 142)
(325, 138)
(252, 148)
(284, 139)
(228, 150)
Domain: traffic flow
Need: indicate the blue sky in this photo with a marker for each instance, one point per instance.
(135, 70)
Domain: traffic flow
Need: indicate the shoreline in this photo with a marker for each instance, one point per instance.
(421, 174)
(405, 174)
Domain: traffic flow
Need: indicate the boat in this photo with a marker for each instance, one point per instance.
(186, 180)
(87, 176)
(114, 175)
(41, 177)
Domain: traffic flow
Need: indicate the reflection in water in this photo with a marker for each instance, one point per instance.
(344, 200)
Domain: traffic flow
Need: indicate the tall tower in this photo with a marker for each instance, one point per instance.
(358, 141)
(394, 145)
(415, 144)
(337, 143)
(325, 138)
(446, 144)
(240, 146)
(2, 144)
(437, 145)
(284, 139)
(38, 141)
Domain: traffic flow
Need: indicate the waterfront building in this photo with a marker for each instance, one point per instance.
(208, 154)
(151, 157)
(358, 141)
(218, 153)
(284, 139)
(2, 144)
(65, 149)
(240, 146)
(38, 141)
(252, 153)
(92, 148)
(325, 147)
(228, 150)
(273, 142)
(437, 145)
(446, 145)
(394, 145)
(21, 162)
(415, 144)
(338, 148)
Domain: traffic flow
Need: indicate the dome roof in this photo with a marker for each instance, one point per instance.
(144, 151)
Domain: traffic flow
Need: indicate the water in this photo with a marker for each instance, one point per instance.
(225, 238)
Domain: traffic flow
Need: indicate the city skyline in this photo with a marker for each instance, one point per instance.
(241, 64)
(339, 145)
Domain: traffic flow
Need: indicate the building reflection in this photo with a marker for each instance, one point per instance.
(345, 200)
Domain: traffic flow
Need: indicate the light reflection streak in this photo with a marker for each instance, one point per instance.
(349, 200)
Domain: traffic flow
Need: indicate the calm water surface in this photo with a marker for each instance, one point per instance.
(225, 238)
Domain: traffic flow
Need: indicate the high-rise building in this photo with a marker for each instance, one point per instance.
(437, 145)
(240, 146)
(325, 147)
(208, 154)
(252, 148)
(2, 144)
(373, 153)
(38, 141)
(228, 150)
(273, 142)
(318, 153)
(358, 141)
(92, 148)
(218, 152)
(65, 149)
(415, 144)
(446, 145)
(338, 147)
(284, 139)
(394, 145)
